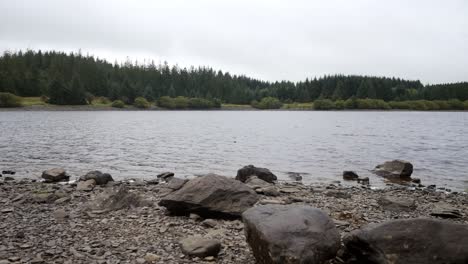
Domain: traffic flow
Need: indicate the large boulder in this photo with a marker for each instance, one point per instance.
(212, 196)
(290, 234)
(55, 175)
(262, 173)
(409, 241)
(394, 168)
(99, 177)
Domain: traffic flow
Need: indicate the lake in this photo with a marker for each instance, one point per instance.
(319, 145)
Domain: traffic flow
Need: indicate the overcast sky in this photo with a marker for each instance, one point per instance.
(267, 39)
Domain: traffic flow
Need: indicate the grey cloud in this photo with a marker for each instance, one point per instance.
(273, 39)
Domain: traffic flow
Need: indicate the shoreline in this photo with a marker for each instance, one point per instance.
(58, 108)
(54, 222)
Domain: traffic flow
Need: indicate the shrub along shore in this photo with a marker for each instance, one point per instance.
(8, 100)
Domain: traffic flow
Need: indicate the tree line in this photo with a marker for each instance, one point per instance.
(73, 78)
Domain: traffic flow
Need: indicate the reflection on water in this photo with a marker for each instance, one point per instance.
(318, 144)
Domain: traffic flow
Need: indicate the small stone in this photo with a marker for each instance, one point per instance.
(140, 260)
(209, 223)
(62, 200)
(416, 180)
(151, 258)
(209, 258)
(7, 210)
(364, 181)
(60, 214)
(200, 247)
(195, 217)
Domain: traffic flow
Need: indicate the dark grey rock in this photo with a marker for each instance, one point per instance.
(211, 196)
(407, 242)
(55, 175)
(99, 177)
(394, 168)
(250, 170)
(165, 175)
(295, 176)
(364, 181)
(290, 234)
(350, 175)
(416, 180)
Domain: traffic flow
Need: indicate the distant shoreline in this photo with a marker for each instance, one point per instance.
(223, 108)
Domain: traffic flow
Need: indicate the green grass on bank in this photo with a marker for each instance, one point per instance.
(32, 101)
(9, 100)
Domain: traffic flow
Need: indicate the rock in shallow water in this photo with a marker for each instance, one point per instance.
(350, 175)
(394, 168)
(290, 234)
(211, 196)
(409, 241)
(250, 170)
(55, 175)
(99, 177)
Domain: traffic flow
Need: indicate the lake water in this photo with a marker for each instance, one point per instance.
(320, 145)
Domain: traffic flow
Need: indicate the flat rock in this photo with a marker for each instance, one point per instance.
(270, 191)
(396, 204)
(290, 234)
(173, 185)
(262, 173)
(444, 210)
(198, 246)
(255, 183)
(165, 175)
(87, 185)
(211, 196)
(407, 242)
(55, 175)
